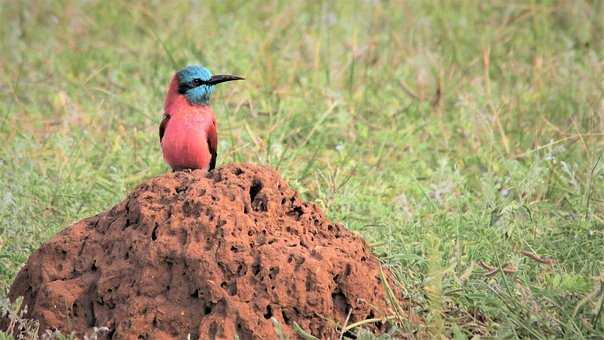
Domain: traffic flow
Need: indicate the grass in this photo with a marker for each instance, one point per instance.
(463, 139)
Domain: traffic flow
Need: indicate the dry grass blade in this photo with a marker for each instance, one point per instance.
(399, 313)
(368, 321)
(302, 333)
(545, 260)
(492, 271)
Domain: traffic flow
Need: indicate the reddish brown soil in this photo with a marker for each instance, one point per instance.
(210, 256)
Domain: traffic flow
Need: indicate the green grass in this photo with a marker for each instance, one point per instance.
(453, 135)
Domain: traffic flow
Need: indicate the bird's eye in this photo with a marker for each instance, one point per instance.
(197, 82)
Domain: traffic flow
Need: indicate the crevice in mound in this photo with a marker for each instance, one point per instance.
(82, 247)
(75, 310)
(93, 267)
(154, 232)
(340, 302)
(286, 316)
(255, 189)
(256, 268)
(90, 316)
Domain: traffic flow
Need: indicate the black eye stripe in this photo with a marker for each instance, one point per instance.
(199, 82)
(182, 88)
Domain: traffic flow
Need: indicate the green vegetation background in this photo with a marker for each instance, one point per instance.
(462, 139)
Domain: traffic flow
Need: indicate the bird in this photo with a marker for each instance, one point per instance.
(188, 131)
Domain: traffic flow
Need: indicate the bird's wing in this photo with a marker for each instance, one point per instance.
(163, 125)
(212, 144)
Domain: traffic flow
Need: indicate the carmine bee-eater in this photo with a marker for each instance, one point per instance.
(187, 133)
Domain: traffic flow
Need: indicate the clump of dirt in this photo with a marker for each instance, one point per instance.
(210, 256)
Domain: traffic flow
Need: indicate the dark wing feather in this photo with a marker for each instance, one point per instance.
(163, 125)
(213, 144)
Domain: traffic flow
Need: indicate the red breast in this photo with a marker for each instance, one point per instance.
(185, 140)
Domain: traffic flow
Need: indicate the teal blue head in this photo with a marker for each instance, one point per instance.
(197, 83)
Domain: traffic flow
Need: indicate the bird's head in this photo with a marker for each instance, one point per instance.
(197, 83)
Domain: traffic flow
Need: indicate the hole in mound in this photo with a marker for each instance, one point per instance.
(286, 317)
(154, 232)
(195, 294)
(238, 171)
(255, 189)
(232, 288)
(74, 310)
(340, 302)
(272, 274)
(241, 269)
(207, 309)
(256, 268)
(210, 213)
(269, 312)
(296, 212)
(348, 270)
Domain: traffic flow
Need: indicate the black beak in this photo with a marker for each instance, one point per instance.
(221, 78)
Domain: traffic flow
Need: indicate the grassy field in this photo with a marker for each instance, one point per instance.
(462, 139)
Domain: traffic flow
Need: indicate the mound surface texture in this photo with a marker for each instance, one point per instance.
(212, 256)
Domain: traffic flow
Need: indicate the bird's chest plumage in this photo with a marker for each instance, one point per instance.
(185, 141)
